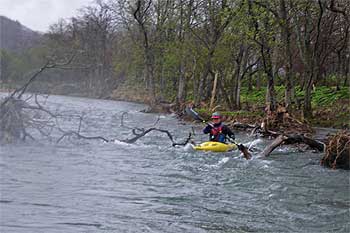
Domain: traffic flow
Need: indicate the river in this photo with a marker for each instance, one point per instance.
(92, 186)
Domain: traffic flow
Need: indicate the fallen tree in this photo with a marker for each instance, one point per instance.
(292, 139)
(17, 114)
(15, 118)
(14, 115)
(285, 129)
(337, 148)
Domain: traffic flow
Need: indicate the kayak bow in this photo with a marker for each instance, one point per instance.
(215, 147)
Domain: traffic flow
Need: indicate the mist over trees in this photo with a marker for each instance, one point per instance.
(174, 49)
(16, 37)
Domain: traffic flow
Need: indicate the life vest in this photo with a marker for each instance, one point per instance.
(216, 134)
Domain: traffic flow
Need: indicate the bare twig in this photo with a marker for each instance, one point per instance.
(70, 133)
(139, 135)
(188, 139)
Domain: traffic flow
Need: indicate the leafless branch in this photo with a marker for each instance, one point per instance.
(139, 135)
(74, 133)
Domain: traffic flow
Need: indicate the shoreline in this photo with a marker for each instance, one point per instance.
(252, 117)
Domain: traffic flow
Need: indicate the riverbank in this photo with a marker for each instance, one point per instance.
(331, 107)
(280, 125)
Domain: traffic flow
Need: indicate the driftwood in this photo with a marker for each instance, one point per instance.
(141, 132)
(277, 142)
(292, 139)
(184, 143)
(287, 130)
(78, 135)
(144, 132)
(337, 149)
(284, 128)
(242, 126)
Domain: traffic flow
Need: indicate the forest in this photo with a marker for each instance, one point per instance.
(175, 116)
(244, 57)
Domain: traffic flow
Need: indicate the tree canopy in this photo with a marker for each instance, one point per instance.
(173, 49)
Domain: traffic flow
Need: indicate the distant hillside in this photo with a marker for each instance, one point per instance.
(16, 37)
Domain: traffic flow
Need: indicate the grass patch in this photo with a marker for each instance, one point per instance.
(321, 96)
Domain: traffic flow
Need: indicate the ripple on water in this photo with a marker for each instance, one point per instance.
(150, 186)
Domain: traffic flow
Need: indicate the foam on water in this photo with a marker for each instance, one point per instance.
(220, 162)
(188, 148)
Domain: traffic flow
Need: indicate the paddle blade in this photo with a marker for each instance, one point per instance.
(245, 151)
(189, 111)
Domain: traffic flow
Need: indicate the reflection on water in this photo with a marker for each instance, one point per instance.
(151, 187)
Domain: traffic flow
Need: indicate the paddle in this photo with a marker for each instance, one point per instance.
(196, 116)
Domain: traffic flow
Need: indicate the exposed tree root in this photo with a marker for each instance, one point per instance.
(282, 121)
(275, 124)
(338, 151)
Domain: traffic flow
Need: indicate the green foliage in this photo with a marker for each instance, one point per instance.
(194, 38)
(325, 96)
(255, 96)
(322, 96)
(15, 66)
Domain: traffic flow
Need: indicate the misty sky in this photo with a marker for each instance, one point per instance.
(39, 14)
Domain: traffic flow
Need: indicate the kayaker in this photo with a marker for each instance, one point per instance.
(217, 129)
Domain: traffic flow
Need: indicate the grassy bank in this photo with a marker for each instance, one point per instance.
(331, 107)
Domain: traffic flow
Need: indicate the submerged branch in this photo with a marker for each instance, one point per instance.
(80, 136)
(144, 132)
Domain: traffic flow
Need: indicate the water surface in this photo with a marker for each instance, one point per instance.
(149, 186)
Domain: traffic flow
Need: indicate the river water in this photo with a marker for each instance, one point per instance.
(92, 186)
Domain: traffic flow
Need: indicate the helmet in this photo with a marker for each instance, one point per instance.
(216, 115)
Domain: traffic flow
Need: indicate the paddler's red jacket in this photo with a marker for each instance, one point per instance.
(218, 132)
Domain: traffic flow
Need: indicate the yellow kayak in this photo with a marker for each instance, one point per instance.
(215, 147)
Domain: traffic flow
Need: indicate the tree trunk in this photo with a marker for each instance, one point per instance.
(307, 97)
(200, 90)
(240, 77)
(139, 15)
(258, 83)
(286, 34)
(270, 93)
(250, 81)
(225, 95)
(292, 139)
(162, 83)
(150, 75)
(203, 79)
(208, 86)
(181, 85)
(213, 93)
(181, 37)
